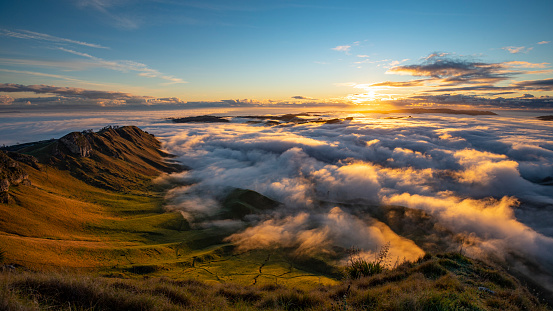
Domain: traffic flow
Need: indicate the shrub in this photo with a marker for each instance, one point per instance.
(359, 267)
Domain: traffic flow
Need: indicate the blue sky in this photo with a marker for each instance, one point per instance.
(268, 52)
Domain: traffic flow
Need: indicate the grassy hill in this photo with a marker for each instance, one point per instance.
(83, 227)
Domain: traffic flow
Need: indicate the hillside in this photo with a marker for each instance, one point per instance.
(85, 212)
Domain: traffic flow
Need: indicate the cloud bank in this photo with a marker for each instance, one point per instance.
(478, 179)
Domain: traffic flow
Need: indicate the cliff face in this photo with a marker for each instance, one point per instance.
(11, 174)
(75, 143)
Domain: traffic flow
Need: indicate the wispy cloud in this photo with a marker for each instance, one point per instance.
(517, 49)
(126, 66)
(31, 35)
(41, 74)
(104, 6)
(68, 65)
(544, 42)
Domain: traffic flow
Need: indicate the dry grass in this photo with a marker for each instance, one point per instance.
(411, 286)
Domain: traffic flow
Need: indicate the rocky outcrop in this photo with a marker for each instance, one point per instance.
(11, 174)
(75, 143)
(24, 158)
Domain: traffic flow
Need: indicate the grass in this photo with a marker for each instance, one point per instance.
(358, 266)
(405, 287)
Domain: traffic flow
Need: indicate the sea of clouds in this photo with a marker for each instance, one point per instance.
(484, 180)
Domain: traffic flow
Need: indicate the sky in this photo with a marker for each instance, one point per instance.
(102, 53)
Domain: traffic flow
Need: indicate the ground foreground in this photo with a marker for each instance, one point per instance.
(443, 282)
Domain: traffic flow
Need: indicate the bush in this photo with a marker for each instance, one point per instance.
(359, 267)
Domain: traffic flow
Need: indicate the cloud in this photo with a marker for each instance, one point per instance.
(474, 101)
(6, 100)
(104, 7)
(126, 66)
(31, 35)
(522, 64)
(310, 234)
(411, 83)
(443, 74)
(66, 91)
(78, 97)
(41, 74)
(517, 49)
(436, 55)
(302, 97)
(541, 85)
(544, 42)
(471, 178)
(453, 72)
(342, 48)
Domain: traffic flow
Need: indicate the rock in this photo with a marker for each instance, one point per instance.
(5, 197)
(76, 143)
(4, 185)
(24, 158)
(11, 173)
(485, 289)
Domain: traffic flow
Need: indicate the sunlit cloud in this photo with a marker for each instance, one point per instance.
(31, 35)
(544, 42)
(450, 71)
(522, 64)
(517, 49)
(411, 83)
(436, 55)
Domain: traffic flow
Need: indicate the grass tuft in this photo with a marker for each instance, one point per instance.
(359, 267)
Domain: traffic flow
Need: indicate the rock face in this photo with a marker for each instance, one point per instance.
(11, 174)
(76, 143)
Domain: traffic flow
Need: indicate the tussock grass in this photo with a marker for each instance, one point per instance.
(406, 287)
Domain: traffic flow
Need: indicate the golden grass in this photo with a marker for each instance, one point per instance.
(404, 288)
